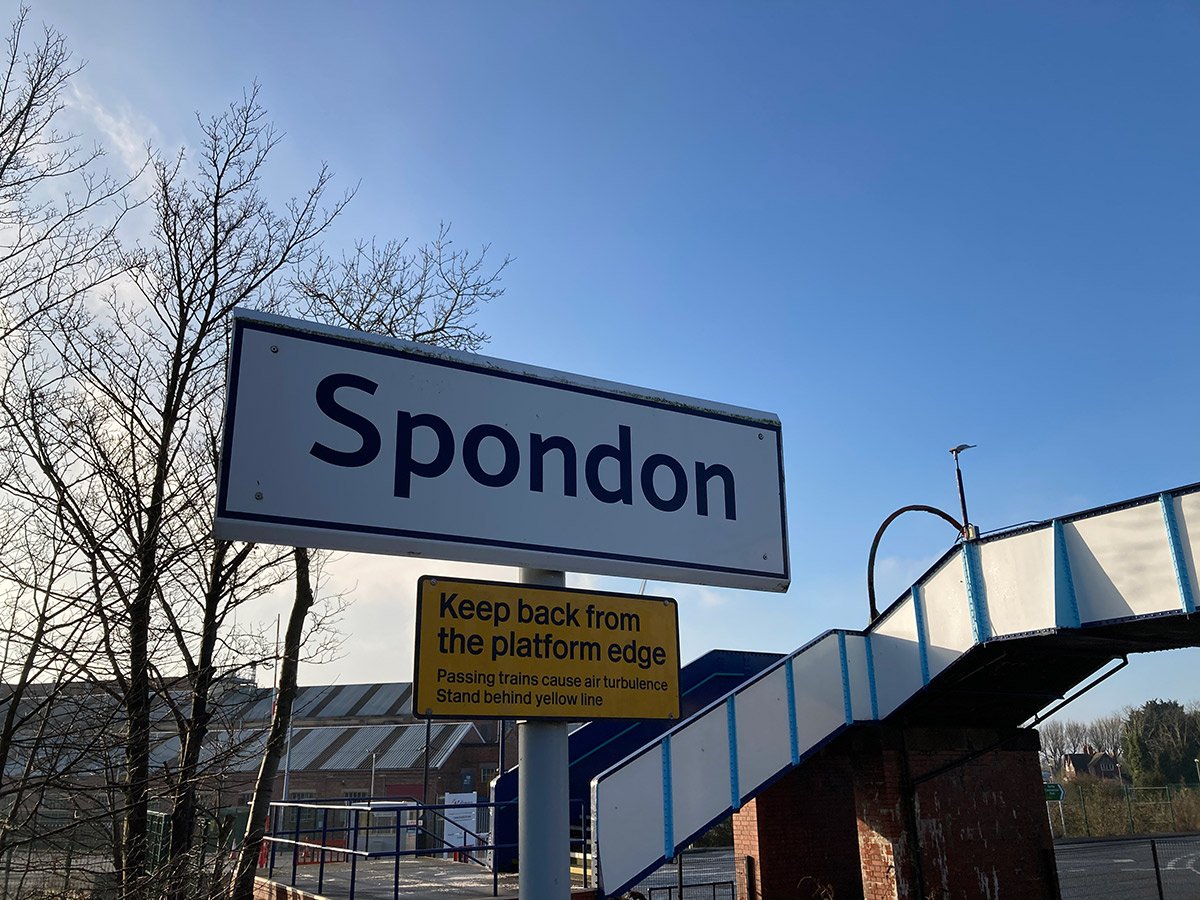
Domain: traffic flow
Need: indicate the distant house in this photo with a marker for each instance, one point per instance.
(1100, 764)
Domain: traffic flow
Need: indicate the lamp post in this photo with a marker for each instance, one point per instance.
(1197, 762)
(371, 800)
(918, 507)
(969, 531)
(965, 529)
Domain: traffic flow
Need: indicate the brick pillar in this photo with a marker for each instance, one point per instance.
(981, 824)
(885, 855)
(800, 829)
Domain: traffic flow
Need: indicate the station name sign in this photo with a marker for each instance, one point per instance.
(494, 650)
(340, 440)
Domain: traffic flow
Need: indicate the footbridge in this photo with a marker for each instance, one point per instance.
(596, 745)
(998, 630)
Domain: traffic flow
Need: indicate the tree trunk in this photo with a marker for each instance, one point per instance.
(137, 753)
(242, 886)
(183, 807)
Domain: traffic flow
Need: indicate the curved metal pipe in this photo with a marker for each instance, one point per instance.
(917, 507)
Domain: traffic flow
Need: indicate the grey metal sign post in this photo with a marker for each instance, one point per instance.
(543, 811)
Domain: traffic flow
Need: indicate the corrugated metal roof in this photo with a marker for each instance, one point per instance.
(321, 701)
(250, 752)
(389, 699)
(356, 752)
(260, 710)
(343, 699)
(236, 751)
(241, 750)
(408, 747)
(450, 744)
(309, 697)
(309, 743)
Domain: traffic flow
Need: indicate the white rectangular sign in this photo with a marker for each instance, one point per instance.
(347, 441)
(460, 824)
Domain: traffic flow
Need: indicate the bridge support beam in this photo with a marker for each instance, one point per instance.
(904, 814)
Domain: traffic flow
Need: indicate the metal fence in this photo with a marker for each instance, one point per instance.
(322, 834)
(1099, 809)
(693, 875)
(337, 847)
(1166, 868)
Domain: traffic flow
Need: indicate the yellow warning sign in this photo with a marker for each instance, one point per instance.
(516, 651)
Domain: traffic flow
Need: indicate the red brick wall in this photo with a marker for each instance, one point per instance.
(981, 824)
(801, 833)
(844, 819)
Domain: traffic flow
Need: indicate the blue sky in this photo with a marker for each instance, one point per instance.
(898, 226)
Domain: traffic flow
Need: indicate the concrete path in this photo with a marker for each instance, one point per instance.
(420, 877)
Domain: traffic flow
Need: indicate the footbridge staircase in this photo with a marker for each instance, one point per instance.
(995, 632)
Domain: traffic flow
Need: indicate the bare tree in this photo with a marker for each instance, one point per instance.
(50, 735)
(242, 885)
(1075, 736)
(58, 210)
(111, 381)
(114, 425)
(1054, 744)
(1106, 732)
(430, 295)
(59, 214)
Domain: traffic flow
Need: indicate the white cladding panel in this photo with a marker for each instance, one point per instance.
(820, 707)
(1187, 520)
(1018, 579)
(860, 683)
(298, 398)
(897, 656)
(1121, 564)
(947, 615)
(629, 801)
(700, 771)
(764, 742)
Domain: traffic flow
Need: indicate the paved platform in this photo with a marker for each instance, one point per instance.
(420, 877)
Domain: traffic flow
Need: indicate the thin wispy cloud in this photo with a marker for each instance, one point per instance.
(123, 132)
